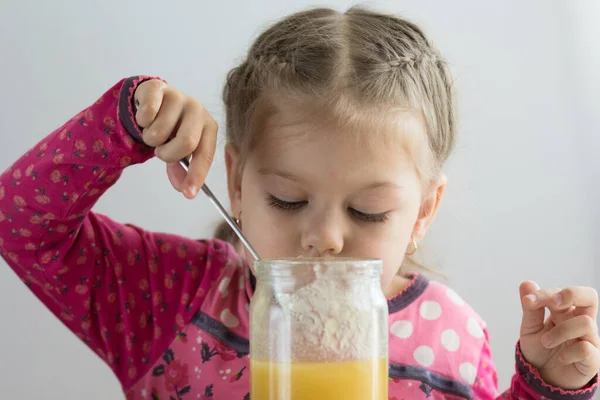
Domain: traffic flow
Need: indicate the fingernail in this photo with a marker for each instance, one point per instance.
(532, 297)
(547, 340)
(557, 299)
(193, 190)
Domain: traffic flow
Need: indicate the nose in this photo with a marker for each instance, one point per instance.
(323, 236)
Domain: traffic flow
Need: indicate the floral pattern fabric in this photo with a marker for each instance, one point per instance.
(168, 314)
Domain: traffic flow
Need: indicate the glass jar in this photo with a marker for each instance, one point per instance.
(318, 330)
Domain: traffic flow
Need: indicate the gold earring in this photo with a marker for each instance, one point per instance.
(238, 221)
(414, 249)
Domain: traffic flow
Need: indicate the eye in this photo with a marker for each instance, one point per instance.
(361, 216)
(285, 205)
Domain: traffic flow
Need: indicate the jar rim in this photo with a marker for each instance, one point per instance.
(273, 266)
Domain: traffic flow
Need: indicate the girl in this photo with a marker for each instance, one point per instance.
(338, 127)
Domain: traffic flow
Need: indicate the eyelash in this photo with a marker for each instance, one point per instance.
(296, 205)
(285, 205)
(381, 217)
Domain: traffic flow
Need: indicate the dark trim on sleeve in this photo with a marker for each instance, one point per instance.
(431, 379)
(126, 106)
(535, 381)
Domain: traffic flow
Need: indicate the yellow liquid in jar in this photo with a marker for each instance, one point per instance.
(348, 380)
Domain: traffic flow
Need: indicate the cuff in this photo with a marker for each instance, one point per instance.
(529, 374)
(126, 106)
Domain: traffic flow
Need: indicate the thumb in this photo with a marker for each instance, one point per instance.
(533, 312)
(176, 175)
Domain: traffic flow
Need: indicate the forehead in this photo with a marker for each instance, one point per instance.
(391, 140)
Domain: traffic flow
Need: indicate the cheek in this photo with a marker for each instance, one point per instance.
(261, 225)
(391, 249)
(391, 264)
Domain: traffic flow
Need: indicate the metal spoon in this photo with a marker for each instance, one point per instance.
(186, 164)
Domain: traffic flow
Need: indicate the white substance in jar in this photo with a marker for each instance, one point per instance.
(327, 320)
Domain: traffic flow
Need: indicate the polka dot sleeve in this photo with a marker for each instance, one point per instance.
(122, 290)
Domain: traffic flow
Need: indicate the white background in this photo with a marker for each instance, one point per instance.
(523, 194)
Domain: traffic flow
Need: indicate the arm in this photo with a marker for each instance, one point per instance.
(122, 290)
(526, 384)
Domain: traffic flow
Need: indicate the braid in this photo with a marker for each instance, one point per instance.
(345, 65)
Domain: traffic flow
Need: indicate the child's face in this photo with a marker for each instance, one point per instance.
(312, 191)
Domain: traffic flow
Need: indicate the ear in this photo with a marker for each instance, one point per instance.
(429, 206)
(234, 179)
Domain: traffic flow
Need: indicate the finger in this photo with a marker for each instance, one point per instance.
(533, 317)
(165, 123)
(202, 159)
(176, 175)
(182, 145)
(188, 134)
(584, 353)
(585, 299)
(148, 98)
(541, 297)
(581, 327)
(558, 316)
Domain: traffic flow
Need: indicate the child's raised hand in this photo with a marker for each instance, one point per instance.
(565, 347)
(177, 126)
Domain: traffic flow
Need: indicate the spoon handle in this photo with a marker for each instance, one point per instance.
(185, 164)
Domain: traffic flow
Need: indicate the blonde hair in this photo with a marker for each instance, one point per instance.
(348, 65)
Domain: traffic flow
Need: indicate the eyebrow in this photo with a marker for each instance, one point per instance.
(282, 174)
(391, 185)
(294, 178)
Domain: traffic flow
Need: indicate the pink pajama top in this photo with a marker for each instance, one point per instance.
(169, 314)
